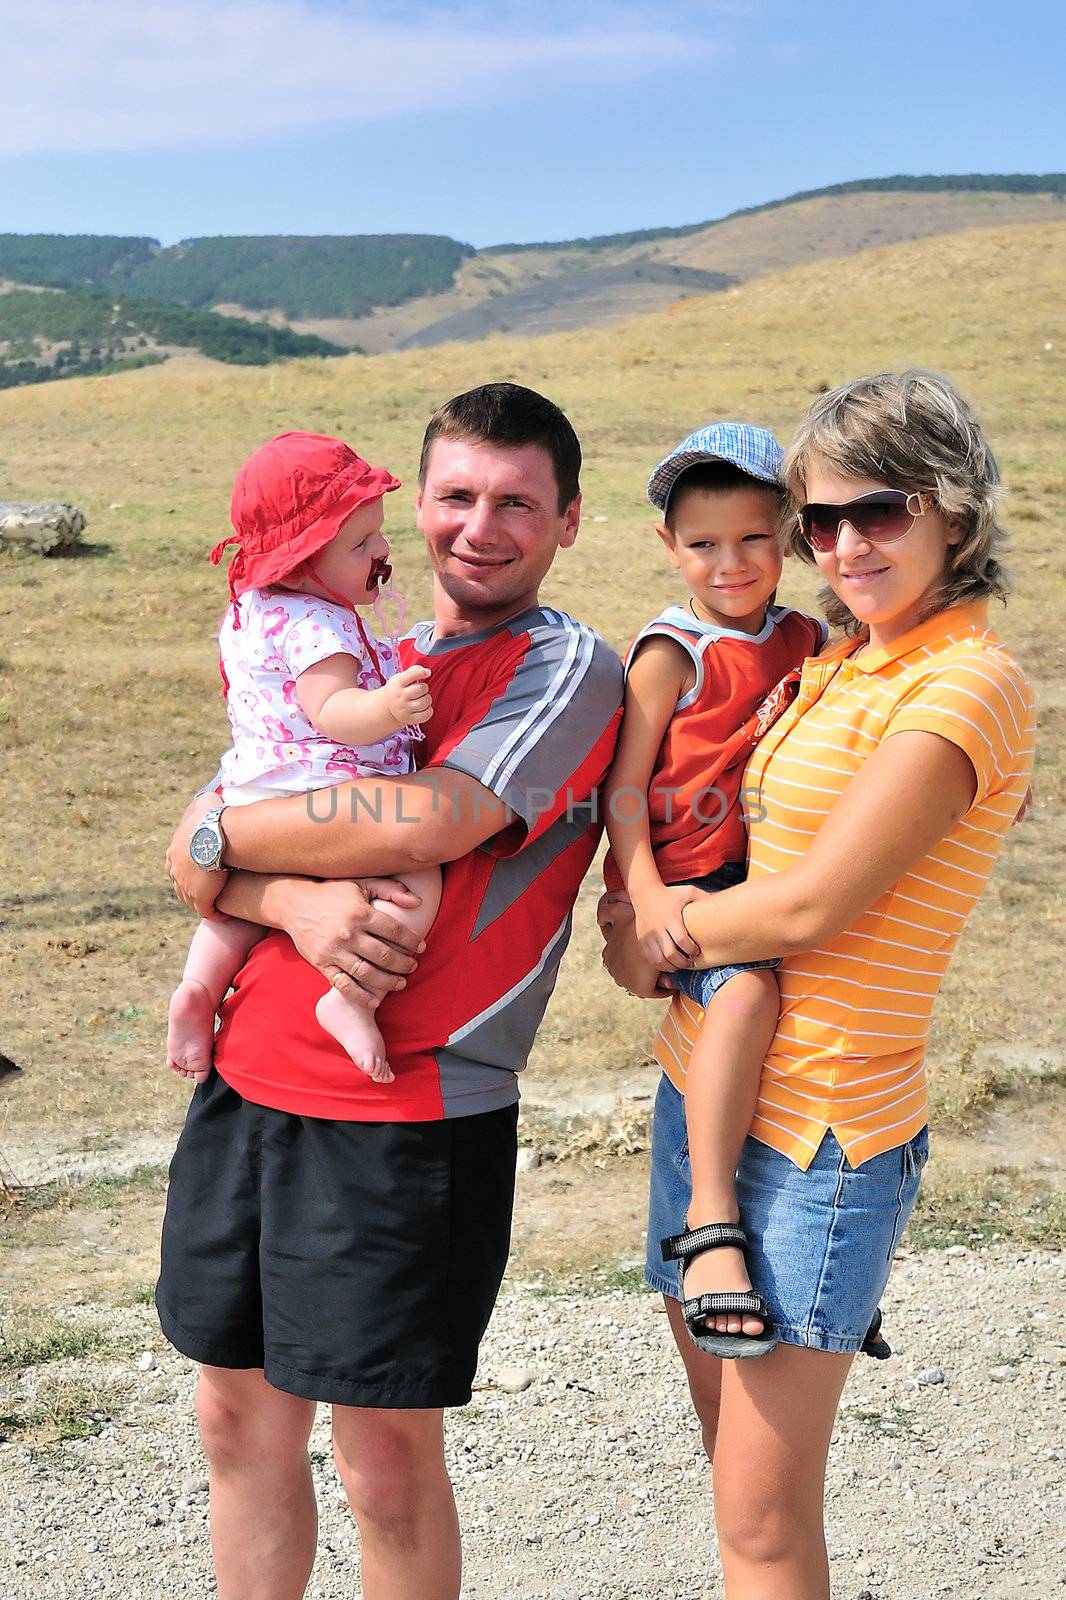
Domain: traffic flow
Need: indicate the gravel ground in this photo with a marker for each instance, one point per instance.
(945, 1477)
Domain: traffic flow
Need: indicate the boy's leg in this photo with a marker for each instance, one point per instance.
(721, 1089)
(392, 1466)
(263, 1519)
(218, 950)
(704, 1374)
(349, 1021)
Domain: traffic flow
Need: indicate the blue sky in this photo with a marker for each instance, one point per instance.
(510, 121)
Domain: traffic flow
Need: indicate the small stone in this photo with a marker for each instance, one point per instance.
(195, 1485)
(513, 1380)
(1053, 1354)
(956, 1250)
(599, 519)
(146, 1362)
(1001, 1374)
(931, 1375)
(528, 1159)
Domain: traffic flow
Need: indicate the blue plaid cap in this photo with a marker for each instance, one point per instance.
(754, 450)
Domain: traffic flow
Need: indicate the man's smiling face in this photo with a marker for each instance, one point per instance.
(491, 519)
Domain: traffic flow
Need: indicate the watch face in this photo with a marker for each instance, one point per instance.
(203, 847)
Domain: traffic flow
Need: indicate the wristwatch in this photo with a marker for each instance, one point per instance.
(207, 843)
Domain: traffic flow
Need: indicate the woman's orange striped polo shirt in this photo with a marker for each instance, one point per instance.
(849, 1051)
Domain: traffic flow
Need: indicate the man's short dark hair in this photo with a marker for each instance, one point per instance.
(508, 414)
(714, 477)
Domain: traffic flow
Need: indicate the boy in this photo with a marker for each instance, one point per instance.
(695, 677)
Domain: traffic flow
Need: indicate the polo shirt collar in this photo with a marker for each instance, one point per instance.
(972, 616)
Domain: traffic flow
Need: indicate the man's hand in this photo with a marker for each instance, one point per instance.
(193, 886)
(363, 952)
(622, 955)
(660, 927)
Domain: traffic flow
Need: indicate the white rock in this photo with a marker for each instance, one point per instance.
(528, 1159)
(513, 1380)
(146, 1362)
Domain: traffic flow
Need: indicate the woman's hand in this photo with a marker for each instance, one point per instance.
(660, 927)
(363, 952)
(193, 886)
(622, 955)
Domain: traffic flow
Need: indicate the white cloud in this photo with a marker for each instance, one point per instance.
(122, 75)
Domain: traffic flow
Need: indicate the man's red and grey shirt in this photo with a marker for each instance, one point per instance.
(531, 711)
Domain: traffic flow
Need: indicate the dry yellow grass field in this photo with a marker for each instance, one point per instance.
(109, 706)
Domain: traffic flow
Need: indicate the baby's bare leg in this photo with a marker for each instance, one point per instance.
(218, 950)
(351, 1022)
(721, 1089)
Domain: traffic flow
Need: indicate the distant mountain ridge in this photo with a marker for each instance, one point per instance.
(342, 275)
(902, 183)
(260, 299)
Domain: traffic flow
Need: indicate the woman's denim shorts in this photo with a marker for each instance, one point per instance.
(820, 1242)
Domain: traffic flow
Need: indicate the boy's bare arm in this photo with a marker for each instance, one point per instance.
(657, 677)
(331, 699)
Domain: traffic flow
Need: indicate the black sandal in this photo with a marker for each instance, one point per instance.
(875, 1344)
(685, 1247)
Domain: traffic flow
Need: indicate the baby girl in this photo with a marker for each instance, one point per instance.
(313, 697)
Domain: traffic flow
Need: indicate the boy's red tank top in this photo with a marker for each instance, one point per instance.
(695, 806)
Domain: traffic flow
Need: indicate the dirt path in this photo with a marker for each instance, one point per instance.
(590, 1480)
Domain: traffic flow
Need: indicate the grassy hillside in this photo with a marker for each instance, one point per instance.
(79, 332)
(342, 276)
(64, 261)
(109, 706)
(901, 183)
(313, 277)
(552, 288)
(395, 291)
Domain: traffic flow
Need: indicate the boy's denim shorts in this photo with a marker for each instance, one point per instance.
(702, 986)
(820, 1242)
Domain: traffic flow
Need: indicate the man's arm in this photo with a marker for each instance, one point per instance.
(371, 828)
(335, 926)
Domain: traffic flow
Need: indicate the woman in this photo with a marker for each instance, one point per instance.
(878, 799)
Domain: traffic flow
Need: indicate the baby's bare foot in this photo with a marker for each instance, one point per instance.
(191, 1031)
(721, 1271)
(355, 1031)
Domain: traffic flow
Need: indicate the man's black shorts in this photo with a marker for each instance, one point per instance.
(355, 1262)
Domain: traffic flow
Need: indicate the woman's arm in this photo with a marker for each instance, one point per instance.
(658, 675)
(908, 794)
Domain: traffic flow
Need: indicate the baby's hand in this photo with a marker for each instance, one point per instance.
(664, 939)
(408, 698)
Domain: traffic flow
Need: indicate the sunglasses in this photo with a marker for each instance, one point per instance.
(881, 517)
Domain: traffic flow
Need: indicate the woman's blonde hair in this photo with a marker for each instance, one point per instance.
(909, 430)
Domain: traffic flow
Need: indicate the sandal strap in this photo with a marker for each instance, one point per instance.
(711, 1236)
(726, 1301)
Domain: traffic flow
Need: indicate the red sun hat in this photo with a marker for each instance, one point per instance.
(289, 499)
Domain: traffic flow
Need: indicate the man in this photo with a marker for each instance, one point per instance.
(328, 1238)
